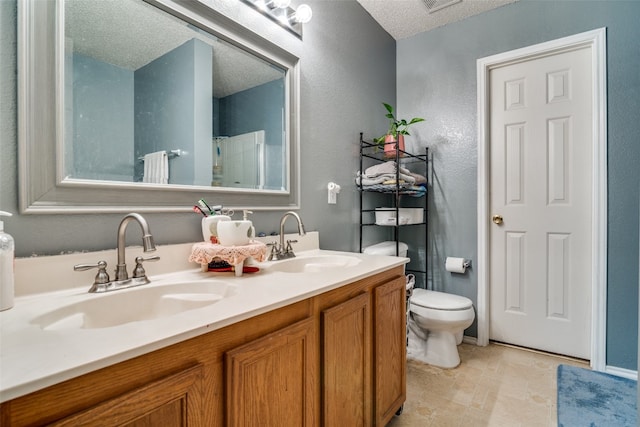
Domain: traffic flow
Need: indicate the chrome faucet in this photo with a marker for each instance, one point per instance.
(281, 251)
(147, 242)
(102, 283)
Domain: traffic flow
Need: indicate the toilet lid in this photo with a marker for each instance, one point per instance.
(439, 300)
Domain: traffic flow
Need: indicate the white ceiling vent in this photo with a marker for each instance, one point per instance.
(436, 5)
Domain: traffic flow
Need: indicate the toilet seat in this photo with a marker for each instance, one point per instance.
(439, 300)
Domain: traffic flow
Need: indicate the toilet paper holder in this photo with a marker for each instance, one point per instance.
(466, 264)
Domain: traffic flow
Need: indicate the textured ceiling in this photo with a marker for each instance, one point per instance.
(130, 34)
(405, 18)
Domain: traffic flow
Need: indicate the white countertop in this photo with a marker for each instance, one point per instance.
(32, 358)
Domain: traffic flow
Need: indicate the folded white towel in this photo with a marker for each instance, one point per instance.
(381, 179)
(387, 168)
(419, 178)
(380, 169)
(156, 168)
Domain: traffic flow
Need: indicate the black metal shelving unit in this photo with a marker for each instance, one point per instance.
(397, 192)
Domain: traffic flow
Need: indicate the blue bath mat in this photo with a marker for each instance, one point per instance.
(594, 399)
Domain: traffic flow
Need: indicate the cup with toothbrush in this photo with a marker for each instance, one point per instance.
(211, 217)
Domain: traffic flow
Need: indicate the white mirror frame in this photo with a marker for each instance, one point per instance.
(41, 124)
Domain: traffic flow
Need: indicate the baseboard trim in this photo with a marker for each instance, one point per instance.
(621, 372)
(612, 370)
(470, 340)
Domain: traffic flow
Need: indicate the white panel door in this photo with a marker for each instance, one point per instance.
(540, 182)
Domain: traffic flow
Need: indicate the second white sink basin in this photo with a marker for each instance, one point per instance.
(141, 303)
(315, 264)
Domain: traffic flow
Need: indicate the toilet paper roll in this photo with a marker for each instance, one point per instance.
(455, 265)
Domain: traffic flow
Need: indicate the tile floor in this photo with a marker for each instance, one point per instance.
(494, 386)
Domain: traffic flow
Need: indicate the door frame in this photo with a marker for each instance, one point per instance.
(596, 41)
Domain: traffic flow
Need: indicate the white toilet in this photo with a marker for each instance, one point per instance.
(436, 324)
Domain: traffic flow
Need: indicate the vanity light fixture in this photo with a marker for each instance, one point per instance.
(267, 6)
(285, 15)
(281, 4)
(302, 14)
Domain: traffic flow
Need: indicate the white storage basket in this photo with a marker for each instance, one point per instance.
(387, 216)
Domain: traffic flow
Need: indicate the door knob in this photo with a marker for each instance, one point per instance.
(497, 219)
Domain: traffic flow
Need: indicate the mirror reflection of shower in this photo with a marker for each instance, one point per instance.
(239, 160)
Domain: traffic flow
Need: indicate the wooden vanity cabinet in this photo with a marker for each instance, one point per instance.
(174, 401)
(98, 389)
(271, 381)
(390, 349)
(334, 359)
(347, 364)
(364, 354)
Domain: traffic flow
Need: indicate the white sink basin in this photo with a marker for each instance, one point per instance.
(314, 264)
(141, 303)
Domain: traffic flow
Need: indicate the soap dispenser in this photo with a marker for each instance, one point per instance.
(6, 267)
(245, 217)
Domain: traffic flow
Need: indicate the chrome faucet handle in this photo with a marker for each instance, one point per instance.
(289, 249)
(102, 277)
(273, 255)
(138, 271)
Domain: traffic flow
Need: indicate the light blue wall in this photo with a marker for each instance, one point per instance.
(173, 111)
(103, 134)
(259, 105)
(437, 80)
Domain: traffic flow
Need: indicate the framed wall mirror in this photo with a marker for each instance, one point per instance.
(150, 105)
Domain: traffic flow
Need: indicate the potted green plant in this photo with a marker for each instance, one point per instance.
(398, 128)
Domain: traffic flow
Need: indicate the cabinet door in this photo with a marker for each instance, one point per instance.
(272, 381)
(172, 401)
(346, 338)
(390, 357)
